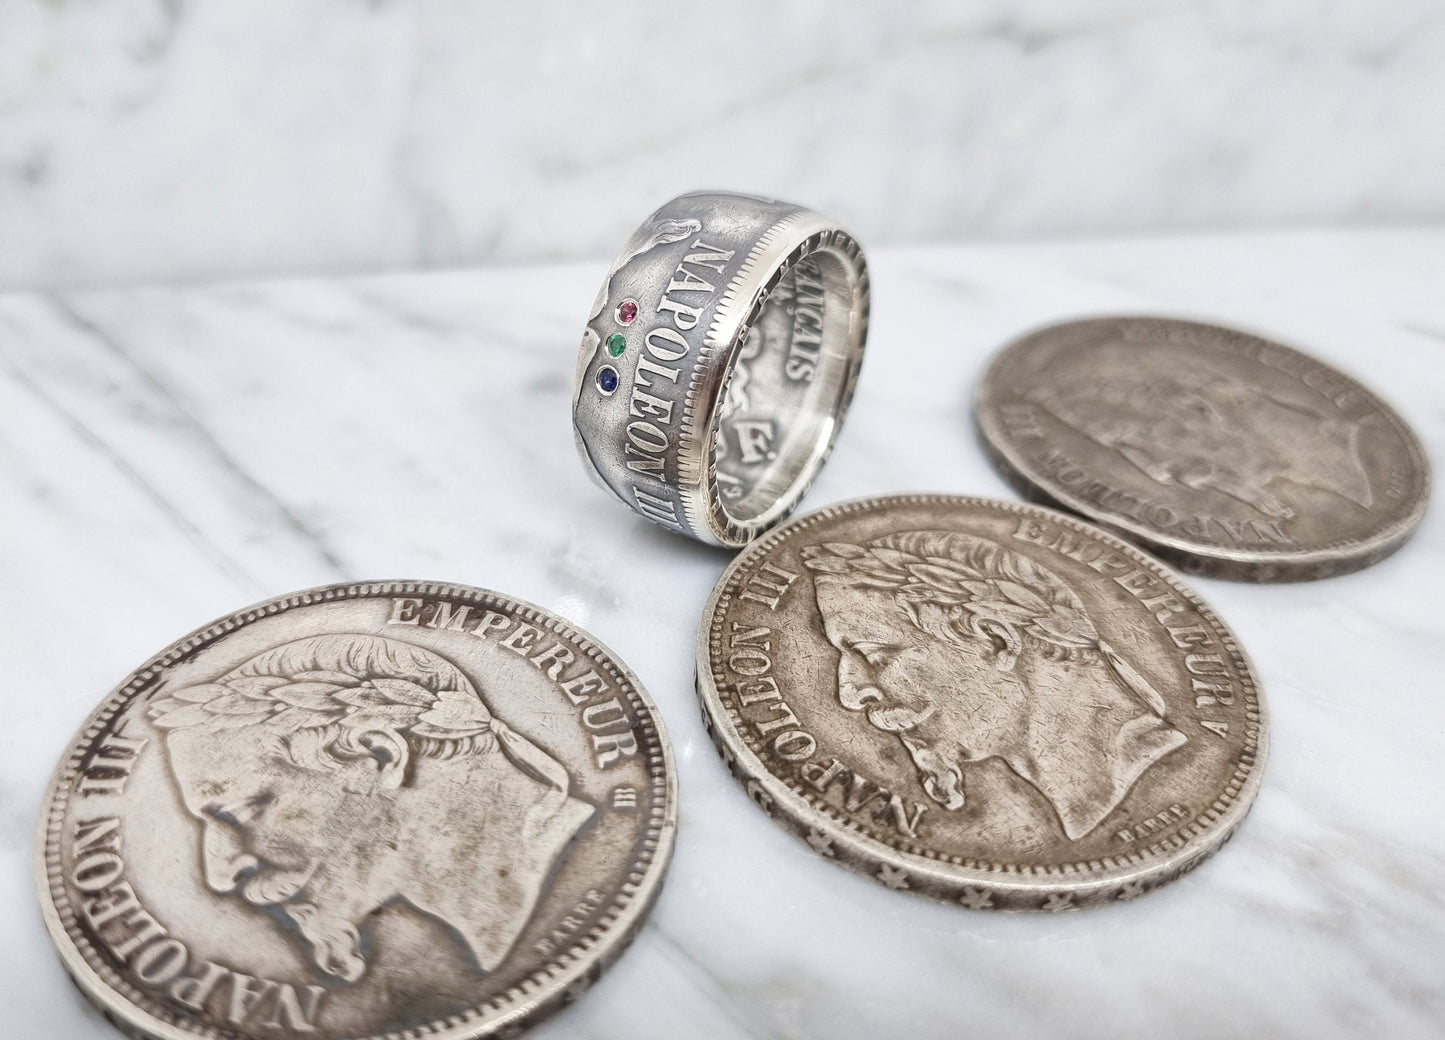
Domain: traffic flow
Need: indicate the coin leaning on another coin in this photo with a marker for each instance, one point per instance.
(365, 810)
(1224, 453)
(983, 702)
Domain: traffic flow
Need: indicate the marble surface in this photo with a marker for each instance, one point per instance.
(170, 454)
(146, 140)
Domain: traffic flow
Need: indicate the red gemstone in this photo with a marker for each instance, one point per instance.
(627, 312)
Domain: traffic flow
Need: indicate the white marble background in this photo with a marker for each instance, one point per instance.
(145, 140)
(170, 454)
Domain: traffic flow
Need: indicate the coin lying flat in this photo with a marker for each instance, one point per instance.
(1224, 453)
(984, 702)
(368, 810)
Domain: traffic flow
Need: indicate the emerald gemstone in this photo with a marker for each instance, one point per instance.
(616, 344)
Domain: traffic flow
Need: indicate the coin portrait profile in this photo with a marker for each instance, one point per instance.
(313, 771)
(1206, 430)
(964, 650)
(1223, 452)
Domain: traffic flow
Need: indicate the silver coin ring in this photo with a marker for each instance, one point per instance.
(718, 362)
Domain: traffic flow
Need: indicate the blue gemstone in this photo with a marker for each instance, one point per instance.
(607, 380)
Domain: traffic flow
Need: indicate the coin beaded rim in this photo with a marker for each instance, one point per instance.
(1343, 556)
(1124, 876)
(565, 975)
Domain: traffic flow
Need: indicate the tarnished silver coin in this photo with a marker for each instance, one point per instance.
(370, 810)
(984, 702)
(1224, 453)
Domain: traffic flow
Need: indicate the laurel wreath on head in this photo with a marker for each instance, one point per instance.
(977, 585)
(969, 589)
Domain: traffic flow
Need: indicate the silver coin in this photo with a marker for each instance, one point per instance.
(1224, 453)
(366, 810)
(983, 702)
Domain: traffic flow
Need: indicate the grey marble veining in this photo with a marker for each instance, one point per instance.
(157, 139)
(170, 454)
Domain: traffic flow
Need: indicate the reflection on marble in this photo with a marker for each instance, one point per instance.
(156, 139)
(167, 455)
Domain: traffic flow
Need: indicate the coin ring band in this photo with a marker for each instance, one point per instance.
(718, 362)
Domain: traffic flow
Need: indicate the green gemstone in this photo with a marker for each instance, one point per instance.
(616, 344)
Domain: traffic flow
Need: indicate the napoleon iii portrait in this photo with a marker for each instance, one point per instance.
(964, 651)
(340, 774)
(1193, 427)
